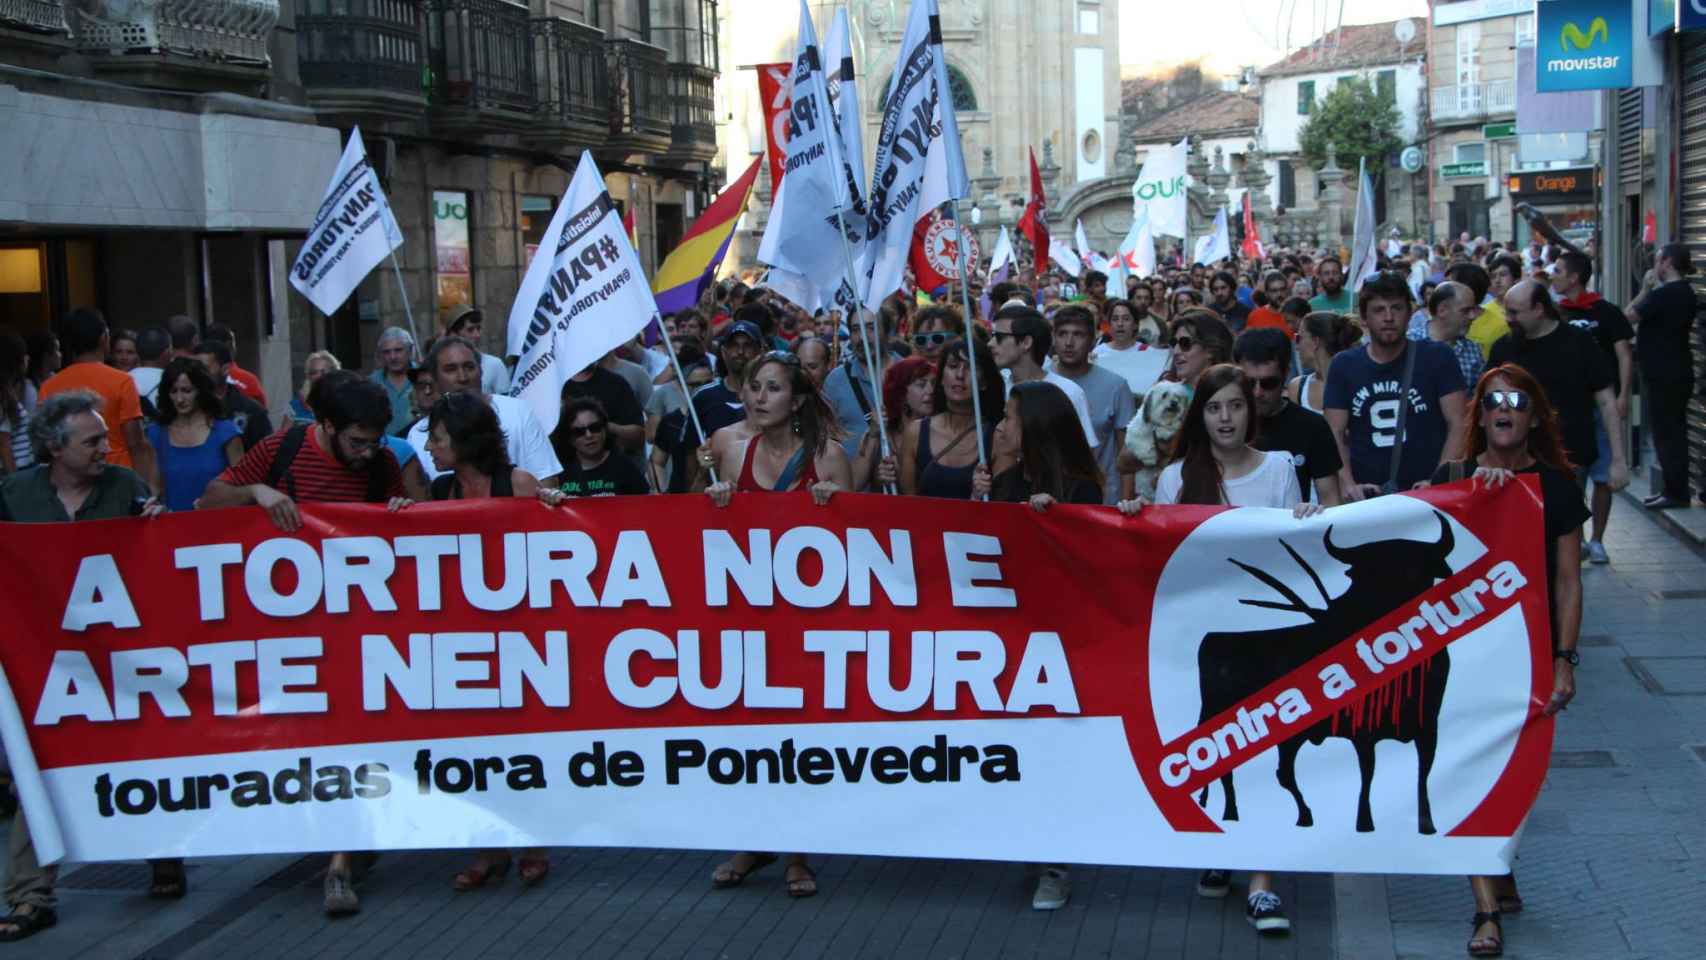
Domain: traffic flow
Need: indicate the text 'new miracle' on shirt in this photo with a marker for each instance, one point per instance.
(1368, 391)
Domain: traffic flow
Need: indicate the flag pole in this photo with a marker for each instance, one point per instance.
(692, 411)
(397, 271)
(971, 341)
(870, 353)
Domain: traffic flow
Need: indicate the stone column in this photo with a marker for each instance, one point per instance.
(1050, 172)
(987, 182)
(1332, 202)
(1254, 178)
(1218, 178)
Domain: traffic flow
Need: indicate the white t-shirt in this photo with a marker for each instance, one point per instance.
(147, 381)
(1272, 484)
(1140, 364)
(494, 377)
(525, 440)
(1073, 392)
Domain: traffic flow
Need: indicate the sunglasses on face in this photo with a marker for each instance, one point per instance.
(586, 431)
(1268, 384)
(1183, 344)
(936, 339)
(1514, 399)
(998, 334)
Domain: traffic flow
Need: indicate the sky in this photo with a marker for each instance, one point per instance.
(1228, 34)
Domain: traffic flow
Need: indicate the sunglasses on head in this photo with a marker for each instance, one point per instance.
(930, 339)
(587, 430)
(783, 357)
(1514, 399)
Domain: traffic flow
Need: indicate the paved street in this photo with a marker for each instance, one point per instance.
(1613, 864)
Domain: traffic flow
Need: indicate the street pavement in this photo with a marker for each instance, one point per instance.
(1613, 863)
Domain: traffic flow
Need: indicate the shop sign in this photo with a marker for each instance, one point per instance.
(1499, 131)
(1474, 168)
(1691, 15)
(1553, 185)
(1583, 45)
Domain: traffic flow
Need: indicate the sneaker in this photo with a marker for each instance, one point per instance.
(1214, 884)
(1595, 552)
(1265, 913)
(1053, 889)
(1660, 501)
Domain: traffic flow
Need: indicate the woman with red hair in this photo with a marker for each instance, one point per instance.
(909, 388)
(1515, 430)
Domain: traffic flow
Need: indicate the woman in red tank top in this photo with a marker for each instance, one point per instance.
(788, 445)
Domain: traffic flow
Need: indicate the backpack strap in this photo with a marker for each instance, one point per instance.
(283, 457)
(377, 488)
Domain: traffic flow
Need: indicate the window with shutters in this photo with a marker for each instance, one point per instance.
(1386, 84)
(1305, 97)
(1287, 184)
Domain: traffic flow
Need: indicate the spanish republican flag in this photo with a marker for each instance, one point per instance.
(689, 268)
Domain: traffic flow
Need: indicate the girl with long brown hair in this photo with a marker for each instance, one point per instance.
(1515, 430)
(1215, 462)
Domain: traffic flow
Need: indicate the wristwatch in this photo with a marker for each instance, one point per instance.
(1570, 657)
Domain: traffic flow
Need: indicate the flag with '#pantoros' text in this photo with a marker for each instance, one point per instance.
(584, 293)
(884, 676)
(918, 129)
(352, 232)
(1160, 189)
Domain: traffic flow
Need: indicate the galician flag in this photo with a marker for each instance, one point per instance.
(1160, 190)
(1137, 250)
(353, 230)
(1082, 242)
(584, 293)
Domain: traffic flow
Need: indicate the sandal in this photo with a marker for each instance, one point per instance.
(340, 899)
(533, 870)
(798, 885)
(728, 874)
(476, 877)
(169, 882)
(27, 924)
(1493, 946)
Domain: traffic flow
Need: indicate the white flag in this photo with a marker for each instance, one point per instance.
(801, 235)
(1137, 250)
(1365, 257)
(1063, 257)
(1217, 245)
(1003, 255)
(352, 232)
(584, 293)
(843, 86)
(1160, 190)
(1117, 273)
(918, 131)
(1082, 242)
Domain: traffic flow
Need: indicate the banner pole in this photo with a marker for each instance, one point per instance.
(870, 352)
(692, 411)
(971, 342)
(397, 271)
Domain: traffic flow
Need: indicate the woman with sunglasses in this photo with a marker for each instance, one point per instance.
(1215, 462)
(1200, 339)
(932, 329)
(583, 445)
(1515, 431)
(465, 441)
(789, 445)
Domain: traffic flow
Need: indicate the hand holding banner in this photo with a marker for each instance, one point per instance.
(466, 683)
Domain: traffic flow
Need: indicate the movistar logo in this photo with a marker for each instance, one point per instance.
(1572, 35)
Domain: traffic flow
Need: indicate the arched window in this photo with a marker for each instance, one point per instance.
(965, 100)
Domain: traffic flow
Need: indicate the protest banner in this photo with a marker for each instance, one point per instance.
(888, 676)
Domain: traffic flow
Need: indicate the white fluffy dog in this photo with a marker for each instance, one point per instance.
(1157, 421)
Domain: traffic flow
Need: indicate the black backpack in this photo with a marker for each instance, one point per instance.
(291, 445)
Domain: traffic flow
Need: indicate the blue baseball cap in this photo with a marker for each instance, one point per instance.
(740, 327)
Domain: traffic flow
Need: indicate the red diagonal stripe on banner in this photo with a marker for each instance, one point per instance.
(1230, 732)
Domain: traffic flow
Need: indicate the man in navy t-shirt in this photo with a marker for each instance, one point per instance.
(1363, 398)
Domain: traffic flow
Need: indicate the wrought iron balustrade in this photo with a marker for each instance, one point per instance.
(362, 45)
(481, 54)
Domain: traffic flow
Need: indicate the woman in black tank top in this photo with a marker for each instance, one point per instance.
(936, 455)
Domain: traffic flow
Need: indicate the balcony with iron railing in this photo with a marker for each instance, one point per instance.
(482, 65)
(573, 79)
(363, 59)
(640, 118)
(34, 16)
(692, 97)
(234, 31)
(1472, 102)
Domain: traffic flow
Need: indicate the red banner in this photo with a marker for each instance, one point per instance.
(919, 672)
(773, 95)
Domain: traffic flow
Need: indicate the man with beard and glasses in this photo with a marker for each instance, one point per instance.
(1334, 296)
(1223, 299)
(1391, 439)
(455, 366)
(1264, 354)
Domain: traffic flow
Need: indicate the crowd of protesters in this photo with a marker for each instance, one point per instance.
(1267, 383)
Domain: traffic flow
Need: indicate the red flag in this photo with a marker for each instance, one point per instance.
(1252, 246)
(773, 97)
(1031, 225)
(935, 256)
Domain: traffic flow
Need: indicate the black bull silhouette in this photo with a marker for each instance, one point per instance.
(1384, 575)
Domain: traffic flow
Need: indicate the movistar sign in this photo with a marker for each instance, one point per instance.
(1583, 45)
